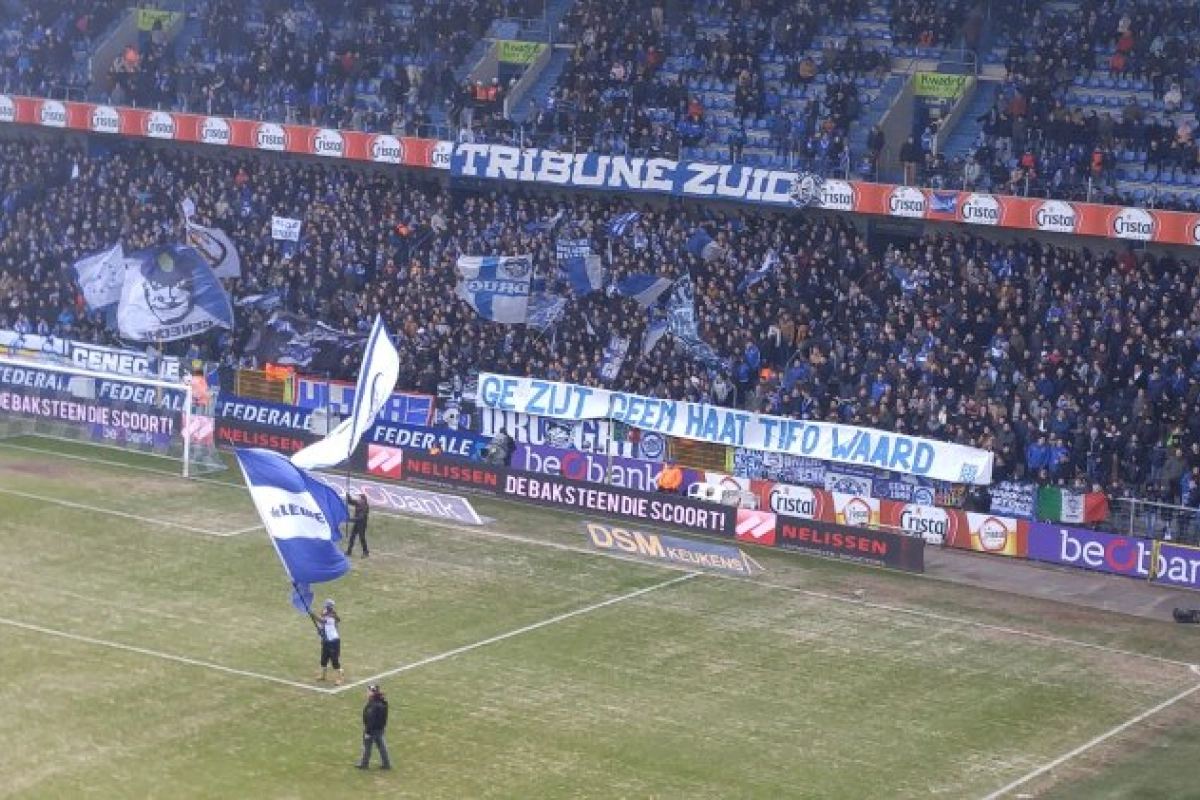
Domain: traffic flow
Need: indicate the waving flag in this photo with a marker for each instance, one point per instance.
(302, 516)
(376, 380)
(170, 293)
(101, 276)
(769, 263)
(217, 248)
(545, 310)
(644, 288)
(619, 225)
(496, 287)
(583, 268)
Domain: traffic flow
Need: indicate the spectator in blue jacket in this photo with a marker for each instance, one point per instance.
(1037, 455)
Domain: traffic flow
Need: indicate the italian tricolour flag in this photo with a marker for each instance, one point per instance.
(1062, 505)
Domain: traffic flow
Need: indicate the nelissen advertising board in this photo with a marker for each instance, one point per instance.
(875, 547)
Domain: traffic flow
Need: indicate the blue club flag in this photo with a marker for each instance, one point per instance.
(769, 263)
(619, 225)
(170, 292)
(302, 516)
(582, 267)
(644, 288)
(376, 380)
(496, 287)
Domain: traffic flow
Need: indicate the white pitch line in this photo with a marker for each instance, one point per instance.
(192, 662)
(111, 512)
(612, 601)
(240, 531)
(831, 598)
(483, 532)
(1083, 748)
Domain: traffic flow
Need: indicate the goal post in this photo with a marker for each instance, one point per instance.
(144, 415)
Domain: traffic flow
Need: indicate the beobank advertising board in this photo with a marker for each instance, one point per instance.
(226, 132)
(1177, 565)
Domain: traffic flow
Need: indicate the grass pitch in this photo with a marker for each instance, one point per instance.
(151, 652)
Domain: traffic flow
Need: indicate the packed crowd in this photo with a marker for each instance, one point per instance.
(364, 66)
(1042, 138)
(1071, 366)
(38, 46)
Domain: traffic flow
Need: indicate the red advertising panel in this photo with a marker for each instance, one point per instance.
(226, 132)
(971, 208)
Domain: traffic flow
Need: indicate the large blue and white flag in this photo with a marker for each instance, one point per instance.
(769, 263)
(644, 288)
(655, 331)
(170, 293)
(612, 358)
(545, 310)
(681, 323)
(619, 225)
(217, 248)
(496, 287)
(302, 516)
(101, 276)
(583, 268)
(376, 380)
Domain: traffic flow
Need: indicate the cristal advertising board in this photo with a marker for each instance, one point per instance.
(880, 548)
(226, 132)
(729, 182)
(1116, 555)
(953, 527)
(773, 187)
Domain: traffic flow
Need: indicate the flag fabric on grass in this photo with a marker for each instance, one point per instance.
(1062, 505)
(376, 380)
(302, 516)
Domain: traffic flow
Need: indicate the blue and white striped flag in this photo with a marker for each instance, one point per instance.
(376, 380)
(545, 310)
(769, 263)
(619, 225)
(644, 288)
(655, 331)
(101, 277)
(582, 267)
(302, 516)
(496, 287)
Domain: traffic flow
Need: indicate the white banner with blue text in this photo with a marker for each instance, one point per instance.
(828, 441)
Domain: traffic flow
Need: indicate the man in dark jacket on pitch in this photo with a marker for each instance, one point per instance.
(375, 717)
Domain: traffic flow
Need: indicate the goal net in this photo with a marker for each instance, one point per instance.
(142, 415)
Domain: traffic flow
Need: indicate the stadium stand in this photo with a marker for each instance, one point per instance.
(1098, 102)
(46, 45)
(1075, 367)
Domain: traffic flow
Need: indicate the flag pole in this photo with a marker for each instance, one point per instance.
(286, 570)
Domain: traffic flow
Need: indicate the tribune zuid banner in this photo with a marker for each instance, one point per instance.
(828, 441)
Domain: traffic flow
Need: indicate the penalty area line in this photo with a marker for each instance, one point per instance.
(129, 648)
(612, 601)
(1088, 745)
(114, 513)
